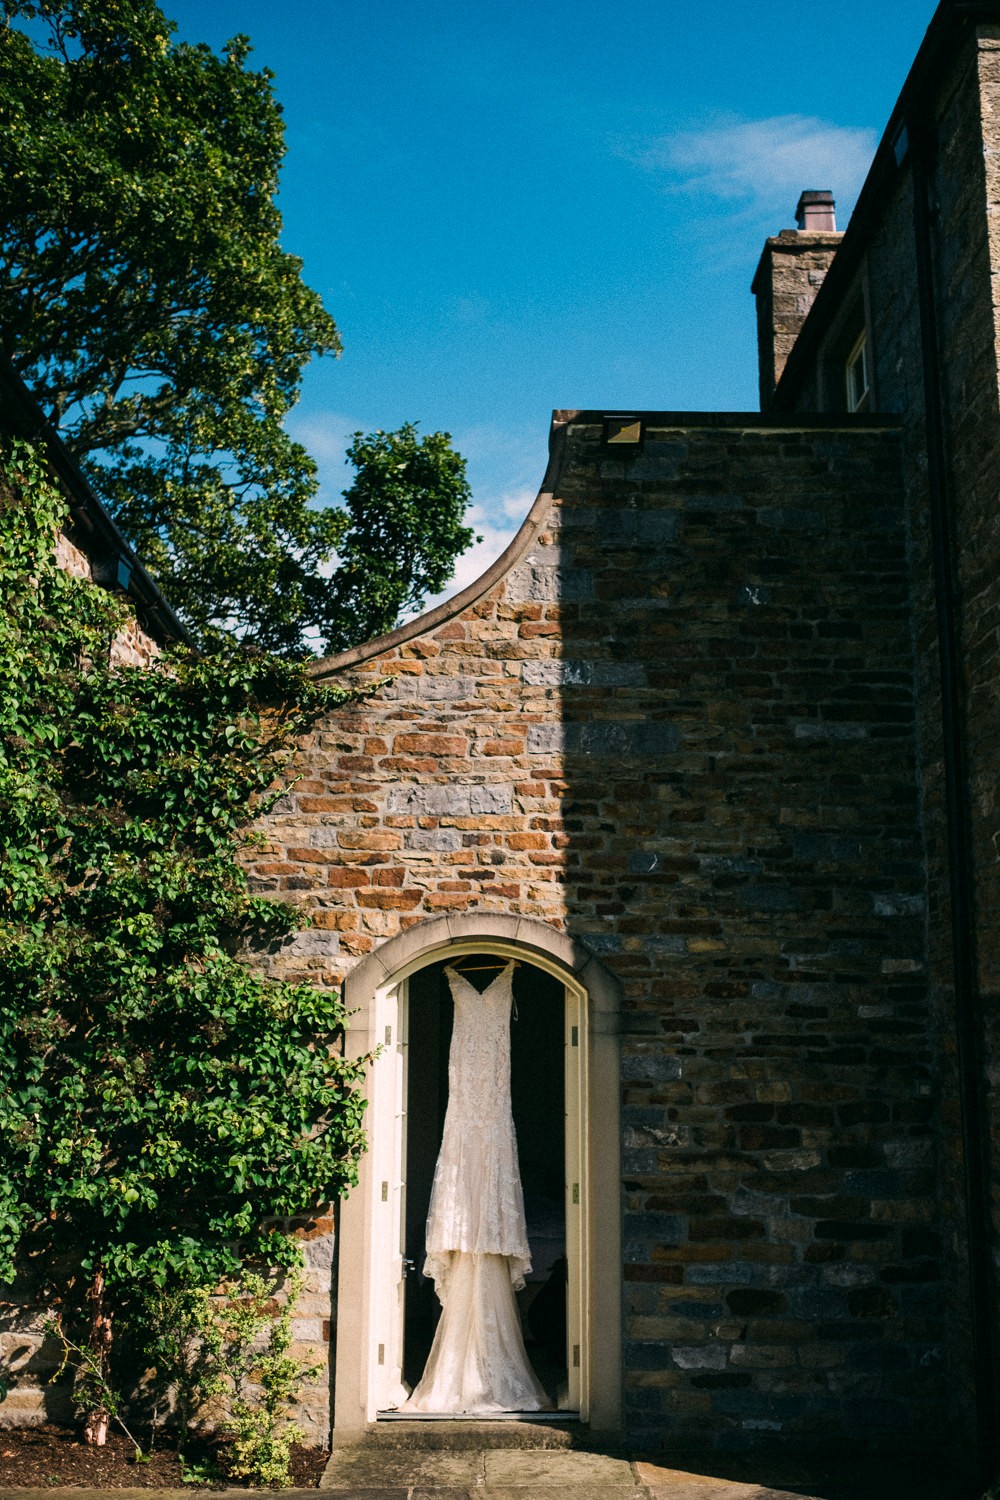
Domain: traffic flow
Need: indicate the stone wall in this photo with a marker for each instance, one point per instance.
(680, 728)
(962, 122)
(978, 491)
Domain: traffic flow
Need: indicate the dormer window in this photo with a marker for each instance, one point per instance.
(858, 375)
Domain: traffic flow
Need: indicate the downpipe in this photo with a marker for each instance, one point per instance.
(970, 1048)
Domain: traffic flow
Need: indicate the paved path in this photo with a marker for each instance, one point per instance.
(489, 1475)
(478, 1473)
(517, 1474)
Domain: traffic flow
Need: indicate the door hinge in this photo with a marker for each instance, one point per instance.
(576, 1192)
(576, 1356)
(574, 1032)
(385, 1192)
(381, 1354)
(388, 1036)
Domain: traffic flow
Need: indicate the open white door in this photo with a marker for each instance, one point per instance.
(576, 1206)
(388, 1147)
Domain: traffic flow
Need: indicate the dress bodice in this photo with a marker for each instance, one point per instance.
(479, 1059)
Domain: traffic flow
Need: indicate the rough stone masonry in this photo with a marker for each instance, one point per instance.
(678, 726)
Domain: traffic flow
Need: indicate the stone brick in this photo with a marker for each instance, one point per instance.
(451, 800)
(558, 673)
(379, 840)
(344, 877)
(620, 739)
(430, 744)
(434, 840)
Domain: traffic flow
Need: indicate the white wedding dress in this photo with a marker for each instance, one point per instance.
(477, 1242)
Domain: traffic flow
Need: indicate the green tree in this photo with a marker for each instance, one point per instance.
(405, 530)
(160, 1098)
(146, 299)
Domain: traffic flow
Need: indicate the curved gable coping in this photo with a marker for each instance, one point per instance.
(431, 938)
(669, 421)
(512, 554)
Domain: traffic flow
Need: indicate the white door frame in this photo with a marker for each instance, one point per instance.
(387, 1207)
(369, 1312)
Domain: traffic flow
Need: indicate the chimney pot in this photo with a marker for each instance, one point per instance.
(816, 212)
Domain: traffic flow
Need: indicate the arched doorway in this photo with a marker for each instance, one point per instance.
(545, 1075)
(371, 1349)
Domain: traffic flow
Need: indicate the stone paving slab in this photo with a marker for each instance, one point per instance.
(368, 1468)
(364, 1473)
(517, 1474)
(516, 1468)
(566, 1491)
(354, 1492)
(700, 1486)
(445, 1494)
(679, 1484)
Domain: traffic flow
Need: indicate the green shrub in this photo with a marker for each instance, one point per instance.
(160, 1098)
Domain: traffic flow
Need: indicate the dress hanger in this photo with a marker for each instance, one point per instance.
(482, 968)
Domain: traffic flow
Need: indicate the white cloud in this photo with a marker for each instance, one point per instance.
(516, 503)
(326, 438)
(496, 523)
(472, 564)
(763, 165)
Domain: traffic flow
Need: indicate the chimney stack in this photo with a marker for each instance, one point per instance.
(816, 212)
(791, 272)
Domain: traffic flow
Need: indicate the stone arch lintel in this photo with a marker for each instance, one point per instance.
(437, 933)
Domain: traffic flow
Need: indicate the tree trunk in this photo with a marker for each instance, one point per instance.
(95, 1428)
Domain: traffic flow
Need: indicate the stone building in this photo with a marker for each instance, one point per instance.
(712, 752)
(91, 546)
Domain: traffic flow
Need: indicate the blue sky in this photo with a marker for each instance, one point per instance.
(513, 207)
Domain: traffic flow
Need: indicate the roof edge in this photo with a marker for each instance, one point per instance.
(89, 521)
(562, 420)
(951, 24)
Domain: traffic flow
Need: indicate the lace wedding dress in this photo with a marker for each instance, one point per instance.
(477, 1243)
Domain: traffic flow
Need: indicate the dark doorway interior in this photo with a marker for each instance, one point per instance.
(537, 1095)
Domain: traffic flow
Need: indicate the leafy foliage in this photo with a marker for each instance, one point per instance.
(405, 507)
(180, 1341)
(196, 1346)
(146, 299)
(265, 1378)
(159, 1098)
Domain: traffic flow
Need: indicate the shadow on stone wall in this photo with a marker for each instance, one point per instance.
(741, 847)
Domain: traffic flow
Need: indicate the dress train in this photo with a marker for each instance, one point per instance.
(478, 1363)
